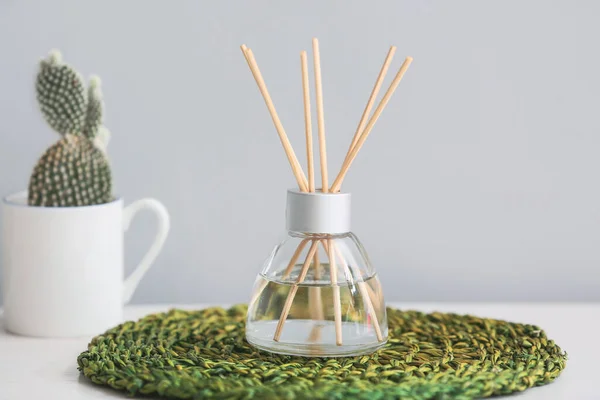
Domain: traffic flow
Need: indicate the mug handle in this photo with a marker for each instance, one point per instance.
(129, 212)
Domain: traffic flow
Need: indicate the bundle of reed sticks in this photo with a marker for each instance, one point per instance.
(364, 128)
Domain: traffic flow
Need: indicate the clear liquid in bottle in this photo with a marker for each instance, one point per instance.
(326, 316)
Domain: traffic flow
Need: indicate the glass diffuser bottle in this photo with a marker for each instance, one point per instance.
(317, 294)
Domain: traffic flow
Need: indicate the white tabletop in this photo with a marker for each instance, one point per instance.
(47, 368)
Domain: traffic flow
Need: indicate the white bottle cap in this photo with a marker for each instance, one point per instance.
(317, 212)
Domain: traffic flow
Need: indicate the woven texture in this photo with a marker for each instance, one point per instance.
(203, 354)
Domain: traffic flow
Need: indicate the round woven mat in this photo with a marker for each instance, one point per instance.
(203, 354)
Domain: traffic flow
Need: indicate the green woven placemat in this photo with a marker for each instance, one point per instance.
(203, 354)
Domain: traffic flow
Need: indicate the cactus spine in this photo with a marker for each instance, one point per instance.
(75, 170)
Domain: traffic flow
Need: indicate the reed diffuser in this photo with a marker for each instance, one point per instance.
(318, 294)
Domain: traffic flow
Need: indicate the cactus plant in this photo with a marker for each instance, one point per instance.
(75, 170)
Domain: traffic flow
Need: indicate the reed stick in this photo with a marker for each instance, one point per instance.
(375, 298)
(347, 273)
(292, 293)
(386, 98)
(307, 122)
(314, 293)
(372, 97)
(337, 302)
(320, 116)
(364, 292)
(286, 274)
(294, 259)
(345, 267)
(287, 146)
(316, 301)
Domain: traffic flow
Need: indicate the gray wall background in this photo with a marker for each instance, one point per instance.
(480, 181)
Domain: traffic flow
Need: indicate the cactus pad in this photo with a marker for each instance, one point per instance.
(61, 95)
(93, 117)
(74, 171)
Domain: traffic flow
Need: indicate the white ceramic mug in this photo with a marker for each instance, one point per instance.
(63, 272)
